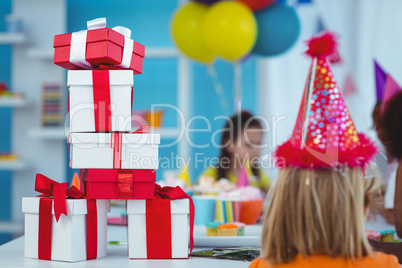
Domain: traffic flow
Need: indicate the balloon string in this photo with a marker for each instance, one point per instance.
(218, 88)
(237, 87)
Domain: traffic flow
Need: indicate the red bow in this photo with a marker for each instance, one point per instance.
(168, 192)
(158, 247)
(59, 192)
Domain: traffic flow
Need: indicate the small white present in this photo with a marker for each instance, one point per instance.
(114, 150)
(100, 100)
(161, 228)
(70, 238)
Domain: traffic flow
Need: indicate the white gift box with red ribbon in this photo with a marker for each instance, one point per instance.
(114, 150)
(176, 239)
(100, 100)
(68, 234)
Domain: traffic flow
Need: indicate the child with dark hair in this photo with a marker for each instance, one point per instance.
(389, 130)
(389, 126)
(241, 138)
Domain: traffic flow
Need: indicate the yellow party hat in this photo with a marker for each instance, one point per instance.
(185, 176)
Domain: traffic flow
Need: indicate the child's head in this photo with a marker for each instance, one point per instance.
(317, 211)
(241, 136)
(389, 127)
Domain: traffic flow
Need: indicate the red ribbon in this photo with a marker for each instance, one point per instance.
(158, 222)
(57, 193)
(125, 184)
(45, 229)
(117, 144)
(92, 230)
(101, 93)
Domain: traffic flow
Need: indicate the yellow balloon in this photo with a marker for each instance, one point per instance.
(230, 29)
(187, 28)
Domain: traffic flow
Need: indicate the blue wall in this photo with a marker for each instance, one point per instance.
(150, 22)
(5, 119)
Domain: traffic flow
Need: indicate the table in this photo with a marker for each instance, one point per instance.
(12, 255)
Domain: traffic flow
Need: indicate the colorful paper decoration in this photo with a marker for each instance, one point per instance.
(380, 80)
(242, 180)
(390, 89)
(185, 176)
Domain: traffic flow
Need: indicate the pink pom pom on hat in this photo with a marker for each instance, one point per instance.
(324, 134)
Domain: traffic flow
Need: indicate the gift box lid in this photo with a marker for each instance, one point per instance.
(98, 35)
(104, 34)
(105, 138)
(74, 206)
(84, 77)
(111, 175)
(179, 206)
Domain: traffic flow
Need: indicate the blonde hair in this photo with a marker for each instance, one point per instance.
(317, 212)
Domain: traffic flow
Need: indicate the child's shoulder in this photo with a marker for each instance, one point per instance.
(384, 260)
(259, 263)
(377, 260)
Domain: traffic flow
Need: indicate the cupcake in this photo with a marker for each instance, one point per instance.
(240, 226)
(373, 235)
(227, 230)
(387, 236)
(212, 228)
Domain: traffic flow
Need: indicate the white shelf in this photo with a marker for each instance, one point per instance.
(166, 132)
(40, 53)
(47, 54)
(13, 165)
(48, 133)
(14, 102)
(161, 52)
(12, 38)
(59, 133)
(11, 227)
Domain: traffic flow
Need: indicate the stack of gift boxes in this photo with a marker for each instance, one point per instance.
(114, 161)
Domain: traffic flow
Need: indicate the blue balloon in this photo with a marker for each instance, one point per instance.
(278, 29)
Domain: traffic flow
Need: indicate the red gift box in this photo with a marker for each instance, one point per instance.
(119, 183)
(98, 45)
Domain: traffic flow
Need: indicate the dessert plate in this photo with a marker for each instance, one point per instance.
(251, 238)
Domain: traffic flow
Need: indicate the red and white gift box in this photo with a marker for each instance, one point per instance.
(114, 150)
(100, 100)
(119, 183)
(98, 45)
(161, 228)
(61, 229)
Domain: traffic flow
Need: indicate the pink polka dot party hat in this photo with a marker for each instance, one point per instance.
(324, 134)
